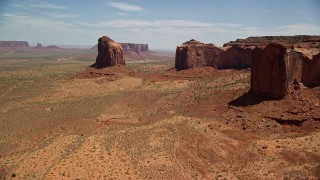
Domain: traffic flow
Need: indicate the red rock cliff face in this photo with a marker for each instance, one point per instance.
(235, 57)
(196, 54)
(311, 71)
(268, 71)
(238, 55)
(294, 64)
(110, 53)
(275, 67)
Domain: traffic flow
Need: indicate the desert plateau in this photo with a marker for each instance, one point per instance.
(129, 106)
(61, 119)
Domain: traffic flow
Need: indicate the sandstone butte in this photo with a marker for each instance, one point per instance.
(110, 53)
(196, 54)
(275, 61)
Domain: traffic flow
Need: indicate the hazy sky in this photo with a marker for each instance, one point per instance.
(163, 24)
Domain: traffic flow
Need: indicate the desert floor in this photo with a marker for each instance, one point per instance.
(60, 119)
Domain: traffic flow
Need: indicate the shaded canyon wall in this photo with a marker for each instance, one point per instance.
(275, 67)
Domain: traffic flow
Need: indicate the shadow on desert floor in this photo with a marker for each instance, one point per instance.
(248, 99)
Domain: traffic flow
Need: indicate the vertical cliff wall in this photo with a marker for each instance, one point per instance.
(311, 71)
(235, 57)
(275, 67)
(110, 53)
(196, 54)
(268, 71)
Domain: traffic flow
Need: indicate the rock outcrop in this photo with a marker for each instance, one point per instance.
(311, 71)
(110, 53)
(131, 47)
(238, 54)
(235, 57)
(135, 47)
(134, 50)
(277, 62)
(276, 66)
(196, 54)
(287, 41)
(5, 44)
(39, 45)
(268, 71)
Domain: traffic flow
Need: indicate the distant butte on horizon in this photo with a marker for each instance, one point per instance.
(250, 41)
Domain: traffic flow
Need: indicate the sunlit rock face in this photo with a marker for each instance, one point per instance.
(110, 53)
(196, 54)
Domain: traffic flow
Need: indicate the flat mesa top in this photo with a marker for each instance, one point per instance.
(299, 40)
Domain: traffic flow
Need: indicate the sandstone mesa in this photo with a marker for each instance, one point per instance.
(275, 61)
